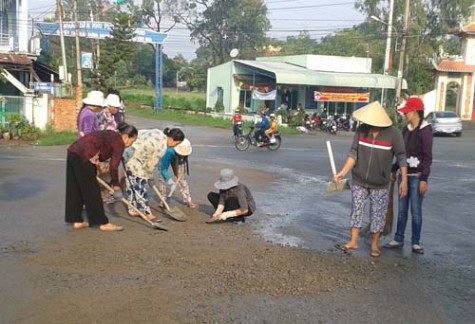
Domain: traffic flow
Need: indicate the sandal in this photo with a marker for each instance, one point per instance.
(134, 214)
(191, 205)
(345, 249)
(109, 227)
(81, 225)
(375, 253)
(153, 219)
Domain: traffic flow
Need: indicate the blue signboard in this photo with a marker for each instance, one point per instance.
(42, 86)
(99, 30)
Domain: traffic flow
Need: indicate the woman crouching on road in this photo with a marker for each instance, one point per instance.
(140, 161)
(82, 188)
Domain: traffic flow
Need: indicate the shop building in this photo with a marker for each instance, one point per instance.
(314, 82)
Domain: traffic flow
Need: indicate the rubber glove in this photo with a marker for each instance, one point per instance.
(172, 184)
(218, 211)
(227, 215)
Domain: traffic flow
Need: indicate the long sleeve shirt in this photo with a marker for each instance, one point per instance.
(374, 157)
(167, 160)
(87, 122)
(144, 155)
(103, 144)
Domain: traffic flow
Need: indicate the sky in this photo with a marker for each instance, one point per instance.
(287, 18)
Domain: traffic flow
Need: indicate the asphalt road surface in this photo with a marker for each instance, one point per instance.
(293, 208)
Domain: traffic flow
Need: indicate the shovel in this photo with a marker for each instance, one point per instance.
(174, 212)
(335, 185)
(177, 184)
(125, 201)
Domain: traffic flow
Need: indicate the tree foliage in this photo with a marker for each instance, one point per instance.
(222, 25)
(116, 53)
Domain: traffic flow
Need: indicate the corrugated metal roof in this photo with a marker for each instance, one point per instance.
(454, 66)
(291, 74)
(19, 59)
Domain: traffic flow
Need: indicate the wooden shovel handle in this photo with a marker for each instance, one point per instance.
(125, 201)
(180, 177)
(162, 199)
(330, 155)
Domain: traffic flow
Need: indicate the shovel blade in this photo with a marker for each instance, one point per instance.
(177, 214)
(338, 186)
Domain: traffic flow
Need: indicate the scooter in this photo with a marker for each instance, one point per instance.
(243, 142)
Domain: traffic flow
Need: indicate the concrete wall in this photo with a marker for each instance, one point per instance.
(221, 76)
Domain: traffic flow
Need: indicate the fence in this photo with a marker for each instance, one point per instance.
(11, 105)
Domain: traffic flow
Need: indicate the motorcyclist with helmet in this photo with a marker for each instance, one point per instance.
(262, 126)
(237, 123)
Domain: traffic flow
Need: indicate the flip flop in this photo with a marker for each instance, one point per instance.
(344, 248)
(111, 228)
(375, 253)
(81, 225)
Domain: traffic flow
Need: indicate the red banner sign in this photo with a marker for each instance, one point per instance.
(341, 97)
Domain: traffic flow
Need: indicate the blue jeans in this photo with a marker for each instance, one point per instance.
(414, 199)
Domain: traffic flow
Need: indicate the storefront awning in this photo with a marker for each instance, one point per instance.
(286, 73)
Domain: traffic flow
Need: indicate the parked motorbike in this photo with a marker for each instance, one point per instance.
(331, 125)
(342, 124)
(243, 142)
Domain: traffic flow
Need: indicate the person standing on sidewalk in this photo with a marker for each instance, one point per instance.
(418, 141)
(375, 144)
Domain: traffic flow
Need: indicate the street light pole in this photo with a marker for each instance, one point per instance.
(402, 54)
(387, 52)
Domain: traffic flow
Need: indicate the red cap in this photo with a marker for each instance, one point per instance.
(412, 104)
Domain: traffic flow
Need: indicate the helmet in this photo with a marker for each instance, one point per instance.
(272, 115)
(236, 110)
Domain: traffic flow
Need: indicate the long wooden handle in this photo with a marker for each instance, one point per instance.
(180, 177)
(125, 201)
(163, 200)
(330, 155)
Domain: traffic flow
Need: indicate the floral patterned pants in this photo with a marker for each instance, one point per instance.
(378, 206)
(139, 197)
(182, 185)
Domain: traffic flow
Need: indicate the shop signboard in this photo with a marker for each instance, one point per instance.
(323, 96)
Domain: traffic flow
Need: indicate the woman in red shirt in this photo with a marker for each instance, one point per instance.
(82, 188)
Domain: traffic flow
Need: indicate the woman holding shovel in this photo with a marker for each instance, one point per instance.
(82, 188)
(177, 158)
(375, 144)
(418, 141)
(140, 161)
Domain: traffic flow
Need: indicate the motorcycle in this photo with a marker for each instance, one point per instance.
(331, 125)
(237, 130)
(243, 142)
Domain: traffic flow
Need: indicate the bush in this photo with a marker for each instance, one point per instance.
(19, 126)
(218, 106)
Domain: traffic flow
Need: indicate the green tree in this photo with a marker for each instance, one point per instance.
(117, 52)
(429, 23)
(226, 24)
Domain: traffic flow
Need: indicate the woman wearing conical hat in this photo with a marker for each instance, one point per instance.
(375, 144)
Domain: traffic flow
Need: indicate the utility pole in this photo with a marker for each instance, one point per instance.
(61, 36)
(78, 58)
(387, 53)
(402, 54)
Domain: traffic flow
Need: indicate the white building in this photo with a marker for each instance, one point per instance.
(338, 84)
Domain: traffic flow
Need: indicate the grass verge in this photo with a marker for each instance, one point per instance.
(53, 138)
(195, 119)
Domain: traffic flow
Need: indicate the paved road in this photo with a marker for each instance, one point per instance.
(293, 207)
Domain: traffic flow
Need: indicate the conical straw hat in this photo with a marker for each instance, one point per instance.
(373, 114)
